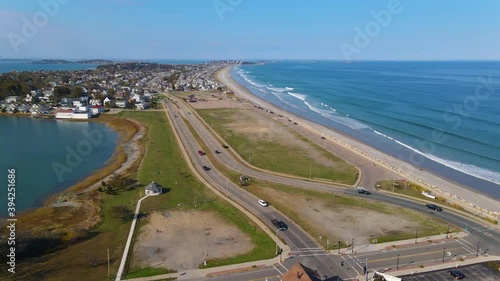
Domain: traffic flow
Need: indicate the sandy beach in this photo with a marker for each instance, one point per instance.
(356, 152)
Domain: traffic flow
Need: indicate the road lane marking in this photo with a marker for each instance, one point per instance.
(281, 273)
(414, 255)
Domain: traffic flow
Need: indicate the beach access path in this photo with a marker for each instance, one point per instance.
(357, 152)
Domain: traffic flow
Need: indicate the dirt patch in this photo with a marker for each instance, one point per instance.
(346, 222)
(183, 240)
(208, 100)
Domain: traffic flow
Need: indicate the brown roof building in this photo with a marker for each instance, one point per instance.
(298, 272)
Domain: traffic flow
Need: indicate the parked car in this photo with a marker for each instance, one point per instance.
(263, 203)
(206, 168)
(456, 273)
(279, 224)
(434, 207)
(362, 191)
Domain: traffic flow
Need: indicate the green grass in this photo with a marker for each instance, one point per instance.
(146, 272)
(275, 156)
(164, 163)
(427, 227)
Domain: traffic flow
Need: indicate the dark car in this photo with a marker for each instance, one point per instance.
(206, 168)
(362, 191)
(434, 207)
(279, 224)
(456, 273)
(217, 152)
(225, 146)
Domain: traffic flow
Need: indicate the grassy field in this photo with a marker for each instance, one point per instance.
(258, 187)
(276, 156)
(164, 164)
(86, 259)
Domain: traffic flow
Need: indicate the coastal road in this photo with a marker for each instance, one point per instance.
(482, 233)
(311, 253)
(297, 239)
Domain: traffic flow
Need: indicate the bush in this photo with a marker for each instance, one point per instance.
(122, 213)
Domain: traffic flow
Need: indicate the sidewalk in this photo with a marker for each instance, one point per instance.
(398, 244)
(214, 271)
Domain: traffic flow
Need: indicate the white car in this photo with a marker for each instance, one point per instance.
(263, 203)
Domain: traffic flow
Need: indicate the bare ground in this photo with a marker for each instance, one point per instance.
(183, 240)
(347, 222)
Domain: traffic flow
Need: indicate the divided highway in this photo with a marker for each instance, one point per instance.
(302, 246)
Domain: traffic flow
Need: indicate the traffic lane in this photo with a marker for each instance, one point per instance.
(295, 237)
(402, 260)
(227, 160)
(472, 272)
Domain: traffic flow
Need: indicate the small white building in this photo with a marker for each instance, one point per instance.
(64, 113)
(153, 189)
(142, 105)
(96, 109)
(121, 103)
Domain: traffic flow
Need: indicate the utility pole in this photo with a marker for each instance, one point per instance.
(339, 247)
(447, 231)
(397, 263)
(366, 269)
(477, 251)
(444, 251)
(108, 264)
(310, 171)
(416, 236)
(352, 246)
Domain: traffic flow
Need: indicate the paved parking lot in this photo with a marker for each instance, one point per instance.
(477, 272)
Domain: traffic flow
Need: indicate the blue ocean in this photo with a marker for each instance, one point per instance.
(447, 112)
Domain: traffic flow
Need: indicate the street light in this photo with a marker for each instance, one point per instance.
(397, 263)
(352, 246)
(416, 236)
(477, 251)
(444, 251)
(339, 247)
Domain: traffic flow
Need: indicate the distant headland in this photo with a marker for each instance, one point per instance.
(57, 61)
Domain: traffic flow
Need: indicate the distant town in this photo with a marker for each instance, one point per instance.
(83, 94)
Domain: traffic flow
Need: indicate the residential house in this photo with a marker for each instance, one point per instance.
(142, 105)
(109, 102)
(96, 109)
(153, 189)
(23, 108)
(13, 99)
(66, 101)
(11, 108)
(136, 97)
(192, 98)
(94, 102)
(121, 103)
(77, 103)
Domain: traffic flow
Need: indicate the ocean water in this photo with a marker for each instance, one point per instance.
(7, 65)
(50, 156)
(446, 113)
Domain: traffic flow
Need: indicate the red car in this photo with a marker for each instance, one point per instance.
(200, 152)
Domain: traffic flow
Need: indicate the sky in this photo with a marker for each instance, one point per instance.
(251, 29)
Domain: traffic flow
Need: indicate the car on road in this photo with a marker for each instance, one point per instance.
(225, 146)
(206, 168)
(200, 152)
(263, 203)
(322, 138)
(362, 191)
(457, 274)
(217, 151)
(279, 224)
(434, 207)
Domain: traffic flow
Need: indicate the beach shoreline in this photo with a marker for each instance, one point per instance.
(470, 200)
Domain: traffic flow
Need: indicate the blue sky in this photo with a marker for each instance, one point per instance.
(251, 29)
